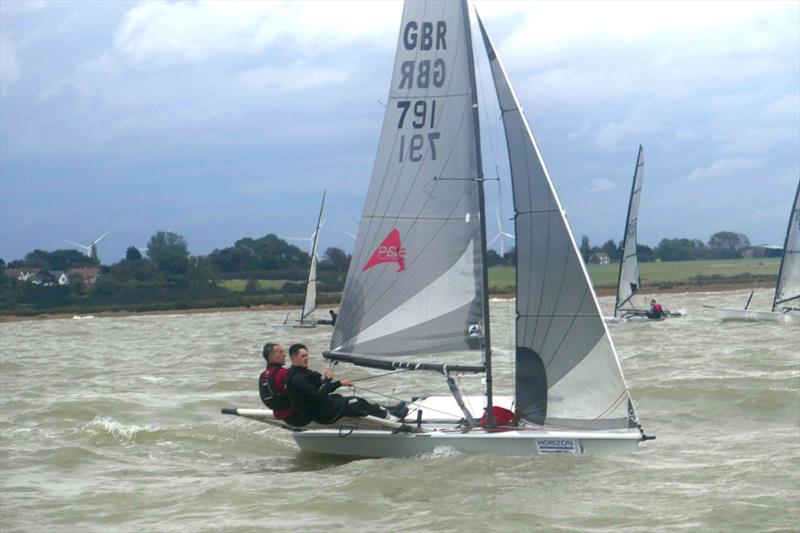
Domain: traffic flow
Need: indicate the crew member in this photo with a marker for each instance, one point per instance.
(272, 386)
(655, 311)
(312, 393)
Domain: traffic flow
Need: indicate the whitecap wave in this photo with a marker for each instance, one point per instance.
(441, 452)
(126, 432)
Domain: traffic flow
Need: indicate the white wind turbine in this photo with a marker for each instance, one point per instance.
(310, 239)
(91, 249)
(502, 235)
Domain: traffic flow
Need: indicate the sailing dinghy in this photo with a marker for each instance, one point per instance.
(310, 302)
(629, 281)
(416, 295)
(786, 301)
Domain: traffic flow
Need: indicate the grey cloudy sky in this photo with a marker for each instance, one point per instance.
(223, 120)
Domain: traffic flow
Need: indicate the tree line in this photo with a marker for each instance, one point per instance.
(168, 273)
(721, 245)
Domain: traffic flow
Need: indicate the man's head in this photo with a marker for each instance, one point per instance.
(653, 301)
(299, 355)
(273, 353)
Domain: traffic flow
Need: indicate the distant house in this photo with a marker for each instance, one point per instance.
(89, 274)
(599, 258)
(23, 274)
(60, 277)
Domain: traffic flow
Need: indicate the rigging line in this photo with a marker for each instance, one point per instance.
(448, 413)
(449, 95)
(612, 406)
(487, 122)
(393, 372)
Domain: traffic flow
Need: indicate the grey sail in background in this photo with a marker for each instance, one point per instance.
(310, 303)
(629, 282)
(567, 371)
(787, 292)
(414, 286)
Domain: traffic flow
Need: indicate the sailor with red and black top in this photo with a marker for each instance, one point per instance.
(656, 311)
(272, 386)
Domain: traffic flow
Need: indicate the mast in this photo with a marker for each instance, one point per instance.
(793, 216)
(622, 258)
(311, 269)
(487, 343)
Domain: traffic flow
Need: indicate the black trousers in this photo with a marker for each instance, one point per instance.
(355, 406)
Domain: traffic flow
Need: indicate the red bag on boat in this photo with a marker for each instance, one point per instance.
(502, 417)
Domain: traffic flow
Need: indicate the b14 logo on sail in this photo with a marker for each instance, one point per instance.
(389, 251)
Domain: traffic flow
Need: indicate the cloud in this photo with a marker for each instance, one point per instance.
(786, 108)
(627, 131)
(600, 185)
(686, 135)
(580, 133)
(291, 78)
(9, 66)
(729, 168)
(162, 34)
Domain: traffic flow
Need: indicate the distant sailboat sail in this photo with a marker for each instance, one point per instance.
(415, 284)
(629, 280)
(310, 303)
(567, 371)
(787, 292)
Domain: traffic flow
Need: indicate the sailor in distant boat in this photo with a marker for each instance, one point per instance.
(272, 386)
(656, 311)
(312, 394)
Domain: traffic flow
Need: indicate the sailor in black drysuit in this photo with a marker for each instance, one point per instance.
(312, 394)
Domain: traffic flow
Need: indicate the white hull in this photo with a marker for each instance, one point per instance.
(439, 433)
(366, 443)
(749, 315)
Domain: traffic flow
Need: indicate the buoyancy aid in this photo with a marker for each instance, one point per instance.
(273, 393)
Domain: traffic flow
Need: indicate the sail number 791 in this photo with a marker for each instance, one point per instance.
(422, 115)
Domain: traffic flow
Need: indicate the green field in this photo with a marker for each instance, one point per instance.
(238, 285)
(666, 273)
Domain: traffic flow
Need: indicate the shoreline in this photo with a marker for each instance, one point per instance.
(600, 291)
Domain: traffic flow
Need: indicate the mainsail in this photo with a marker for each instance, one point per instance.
(415, 284)
(567, 371)
(788, 288)
(310, 303)
(628, 282)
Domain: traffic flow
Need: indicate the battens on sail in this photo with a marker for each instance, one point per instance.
(787, 291)
(629, 280)
(414, 287)
(310, 303)
(567, 371)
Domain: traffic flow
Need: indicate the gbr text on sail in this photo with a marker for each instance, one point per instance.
(420, 73)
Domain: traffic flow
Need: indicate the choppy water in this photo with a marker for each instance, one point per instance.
(113, 424)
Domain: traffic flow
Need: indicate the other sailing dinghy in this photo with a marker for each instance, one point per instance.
(786, 302)
(416, 293)
(629, 281)
(310, 302)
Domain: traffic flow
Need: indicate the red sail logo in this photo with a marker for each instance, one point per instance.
(389, 251)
